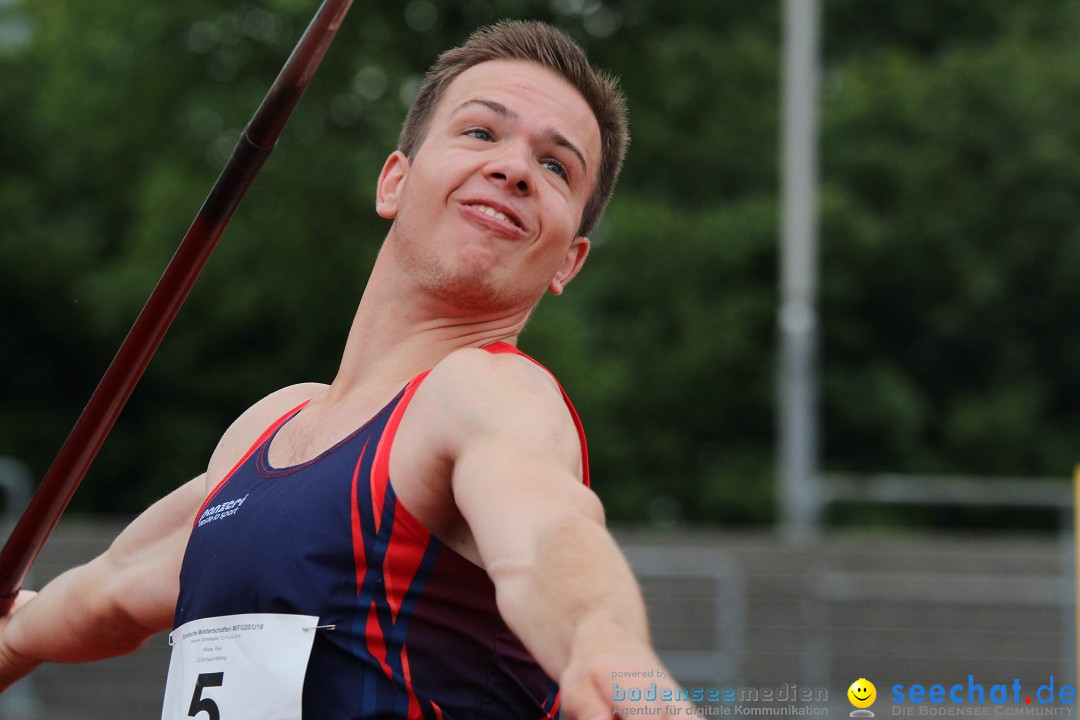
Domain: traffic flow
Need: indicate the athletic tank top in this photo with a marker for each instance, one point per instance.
(416, 632)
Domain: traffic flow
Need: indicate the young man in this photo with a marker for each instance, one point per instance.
(425, 519)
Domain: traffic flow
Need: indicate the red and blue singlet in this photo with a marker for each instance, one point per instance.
(416, 632)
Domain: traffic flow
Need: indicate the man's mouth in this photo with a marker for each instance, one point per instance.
(497, 214)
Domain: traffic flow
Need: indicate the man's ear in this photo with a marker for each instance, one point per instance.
(391, 181)
(571, 266)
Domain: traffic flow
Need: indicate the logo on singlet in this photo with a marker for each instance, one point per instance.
(218, 512)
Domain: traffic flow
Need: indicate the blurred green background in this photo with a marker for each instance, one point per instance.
(950, 239)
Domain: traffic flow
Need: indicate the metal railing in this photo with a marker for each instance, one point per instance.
(1038, 493)
(716, 611)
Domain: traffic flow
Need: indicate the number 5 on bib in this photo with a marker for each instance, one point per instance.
(237, 667)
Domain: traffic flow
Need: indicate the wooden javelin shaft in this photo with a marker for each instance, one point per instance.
(98, 417)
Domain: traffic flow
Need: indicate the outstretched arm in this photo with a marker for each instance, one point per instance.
(562, 585)
(111, 605)
(114, 603)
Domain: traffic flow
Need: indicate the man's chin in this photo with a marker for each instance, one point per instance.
(480, 297)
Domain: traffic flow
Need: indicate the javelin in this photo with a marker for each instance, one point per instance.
(97, 418)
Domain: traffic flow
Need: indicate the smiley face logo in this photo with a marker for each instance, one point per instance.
(862, 693)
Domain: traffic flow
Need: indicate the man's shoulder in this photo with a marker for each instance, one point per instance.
(476, 375)
(473, 393)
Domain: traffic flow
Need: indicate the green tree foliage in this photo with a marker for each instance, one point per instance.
(951, 251)
(950, 256)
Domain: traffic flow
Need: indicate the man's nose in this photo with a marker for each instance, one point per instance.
(513, 167)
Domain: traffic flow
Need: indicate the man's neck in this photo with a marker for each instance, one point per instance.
(398, 333)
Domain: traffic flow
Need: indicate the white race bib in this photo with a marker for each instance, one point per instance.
(237, 667)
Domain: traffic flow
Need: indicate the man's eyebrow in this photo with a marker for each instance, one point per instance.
(551, 133)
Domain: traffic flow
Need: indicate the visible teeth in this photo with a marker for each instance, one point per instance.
(493, 213)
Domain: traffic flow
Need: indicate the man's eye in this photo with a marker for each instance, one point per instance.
(556, 167)
(479, 134)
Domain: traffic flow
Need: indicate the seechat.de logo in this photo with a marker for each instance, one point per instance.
(862, 695)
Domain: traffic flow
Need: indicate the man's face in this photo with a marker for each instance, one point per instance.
(487, 210)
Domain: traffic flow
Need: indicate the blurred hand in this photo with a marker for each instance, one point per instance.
(12, 665)
(598, 688)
